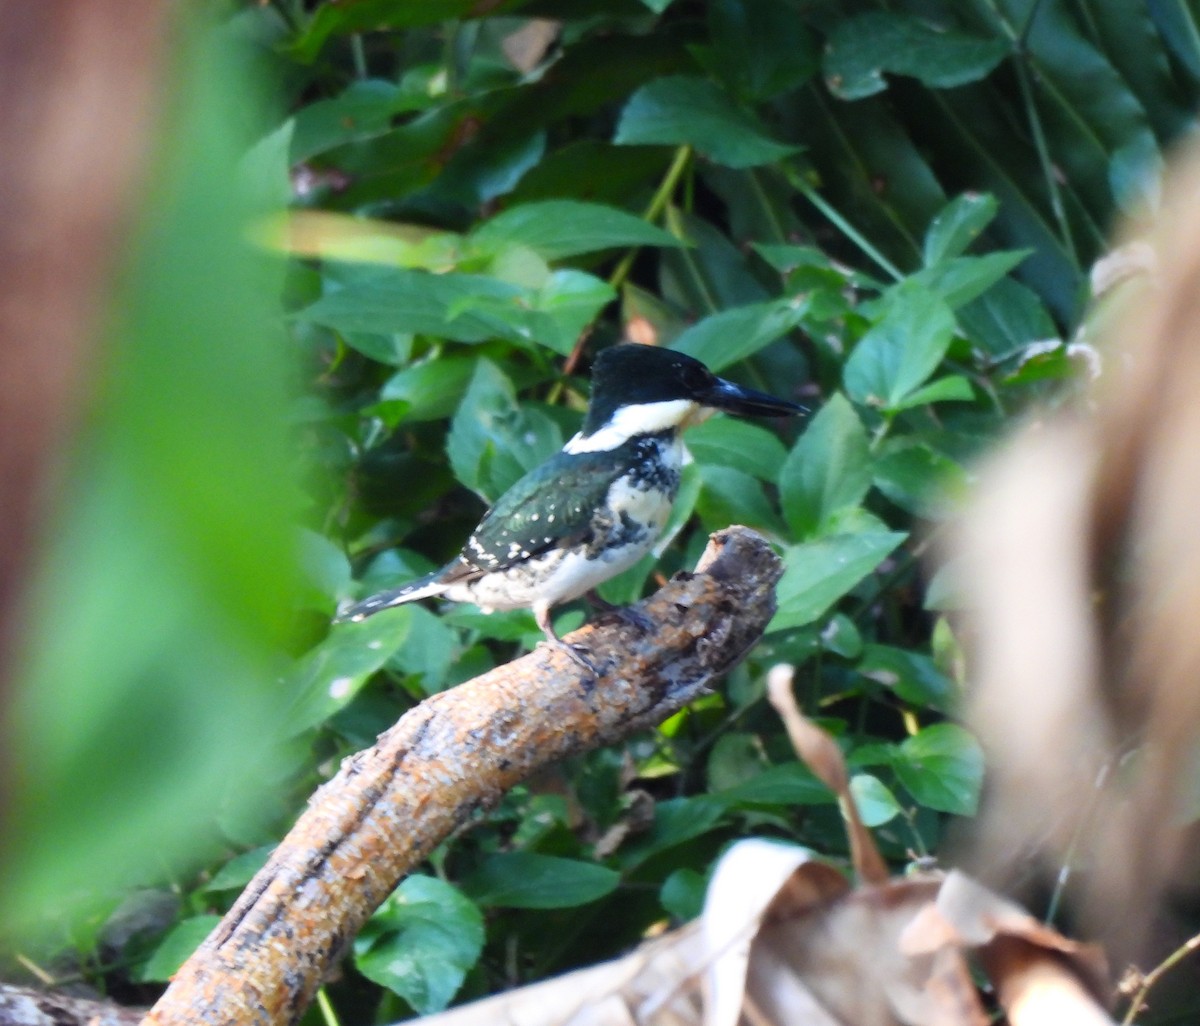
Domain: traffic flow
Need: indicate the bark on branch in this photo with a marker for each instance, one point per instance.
(455, 753)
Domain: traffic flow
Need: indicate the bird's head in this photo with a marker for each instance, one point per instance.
(640, 389)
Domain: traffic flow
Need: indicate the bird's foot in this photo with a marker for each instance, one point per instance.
(626, 614)
(577, 653)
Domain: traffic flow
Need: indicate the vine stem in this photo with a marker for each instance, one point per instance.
(327, 1010)
(1155, 974)
(658, 203)
(654, 210)
(844, 226)
(1019, 39)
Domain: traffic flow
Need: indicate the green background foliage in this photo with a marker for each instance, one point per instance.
(886, 211)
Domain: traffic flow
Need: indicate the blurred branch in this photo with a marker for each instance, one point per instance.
(23, 1005)
(454, 754)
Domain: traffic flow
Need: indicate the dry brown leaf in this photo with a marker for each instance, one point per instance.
(967, 914)
(820, 752)
(1121, 264)
(1036, 988)
(846, 956)
(653, 984)
(755, 881)
(783, 939)
(525, 48)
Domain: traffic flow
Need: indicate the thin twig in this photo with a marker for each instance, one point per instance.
(1138, 1000)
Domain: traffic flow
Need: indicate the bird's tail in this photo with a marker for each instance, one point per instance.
(423, 587)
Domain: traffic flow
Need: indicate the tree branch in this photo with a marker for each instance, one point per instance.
(455, 753)
(24, 1006)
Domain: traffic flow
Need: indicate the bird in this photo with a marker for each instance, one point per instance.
(596, 507)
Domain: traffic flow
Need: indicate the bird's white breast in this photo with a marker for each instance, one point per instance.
(633, 516)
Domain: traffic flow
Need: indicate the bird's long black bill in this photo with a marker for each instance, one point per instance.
(746, 402)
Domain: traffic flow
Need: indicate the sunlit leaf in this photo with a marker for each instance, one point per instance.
(818, 573)
(421, 942)
(942, 767)
(900, 353)
(562, 228)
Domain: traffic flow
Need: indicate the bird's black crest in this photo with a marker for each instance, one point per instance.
(629, 373)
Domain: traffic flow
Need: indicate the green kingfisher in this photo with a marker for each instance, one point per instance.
(595, 508)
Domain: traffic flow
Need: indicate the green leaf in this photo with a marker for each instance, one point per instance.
(523, 879)
(365, 109)
(818, 573)
(328, 676)
(919, 479)
(729, 336)
(790, 784)
(421, 943)
(1130, 40)
(728, 442)
(1005, 319)
(961, 279)
(876, 804)
(712, 275)
(736, 757)
(942, 767)
(730, 496)
(372, 16)
(177, 947)
(428, 651)
(827, 470)
(431, 389)
(759, 47)
(570, 300)
(493, 440)
(1135, 174)
(682, 110)
(952, 388)
(862, 48)
(562, 228)
(545, 308)
(958, 225)
(913, 676)
(384, 300)
(394, 348)
(325, 566)
(682, 894)
(676, 821)
(239, 870)
(902, 350)
(841, 637)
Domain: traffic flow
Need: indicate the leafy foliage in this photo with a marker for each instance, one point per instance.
(887, 214)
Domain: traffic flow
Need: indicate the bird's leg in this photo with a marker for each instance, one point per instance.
(627, 614)
(541, 613)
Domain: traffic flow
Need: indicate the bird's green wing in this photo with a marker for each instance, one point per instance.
(551, 505)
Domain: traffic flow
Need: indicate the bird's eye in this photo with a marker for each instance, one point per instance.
(696, 377)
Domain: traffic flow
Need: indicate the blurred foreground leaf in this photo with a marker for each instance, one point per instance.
(149, 690)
